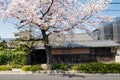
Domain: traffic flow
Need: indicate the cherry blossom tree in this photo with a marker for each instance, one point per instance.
(54, 16)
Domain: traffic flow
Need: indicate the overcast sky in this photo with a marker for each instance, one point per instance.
(7, 29)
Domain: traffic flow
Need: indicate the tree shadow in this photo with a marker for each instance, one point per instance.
(72, 75)
(64, 74)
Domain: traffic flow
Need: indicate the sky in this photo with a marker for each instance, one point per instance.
(7, 30)
(113, 9)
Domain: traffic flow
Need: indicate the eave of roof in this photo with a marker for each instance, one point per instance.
(84, 44)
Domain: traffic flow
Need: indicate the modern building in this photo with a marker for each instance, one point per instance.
(108, 31)
(116, 29)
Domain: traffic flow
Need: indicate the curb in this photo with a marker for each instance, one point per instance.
(19, 71)
(54, 72)
(15, 72)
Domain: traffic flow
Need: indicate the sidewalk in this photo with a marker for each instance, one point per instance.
(53, 72)
(19, 71)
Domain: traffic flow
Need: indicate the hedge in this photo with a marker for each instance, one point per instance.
(60, 66)
(5, 68)
(13, 57)
(18, 58)
(16, 66)
(97, 68)
(32, 68)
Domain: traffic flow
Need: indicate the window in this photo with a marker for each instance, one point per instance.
(100, 51)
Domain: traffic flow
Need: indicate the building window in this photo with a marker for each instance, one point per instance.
(100, 51)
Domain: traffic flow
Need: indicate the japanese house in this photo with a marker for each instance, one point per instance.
(79, 48)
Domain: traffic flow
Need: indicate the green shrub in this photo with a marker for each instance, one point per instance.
(16, 66)
(31, 68)
(4, 56)
(97, 68)
(13, 57)
(113, 68)
(4, 68)
(60, 66)
(18, 58)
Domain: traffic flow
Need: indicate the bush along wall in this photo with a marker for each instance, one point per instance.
(32, 68)
(60, 67)
(97, 68)
(4, 57)
(16, 56)
(5, 68)
(13, 57)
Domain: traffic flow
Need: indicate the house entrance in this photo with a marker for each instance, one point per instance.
(38, 56)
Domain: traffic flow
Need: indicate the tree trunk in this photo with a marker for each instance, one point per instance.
(48, 55)
(47, 48)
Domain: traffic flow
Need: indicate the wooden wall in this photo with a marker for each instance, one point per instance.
(70, 51)
(79, 55)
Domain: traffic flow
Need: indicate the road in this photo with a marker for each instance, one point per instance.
(59, 77)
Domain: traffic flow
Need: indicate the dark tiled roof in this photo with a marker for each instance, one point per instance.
(77, 41)
(79, 44)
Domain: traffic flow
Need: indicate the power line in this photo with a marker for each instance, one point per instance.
(115, 3)
(113, 10)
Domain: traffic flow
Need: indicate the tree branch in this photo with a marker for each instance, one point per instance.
(22, 21)
(20, 39)
(48, 9)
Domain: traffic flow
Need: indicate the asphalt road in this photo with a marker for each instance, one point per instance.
(59, 76)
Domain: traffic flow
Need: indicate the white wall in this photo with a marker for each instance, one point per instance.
(118, 56)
